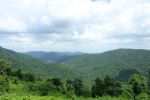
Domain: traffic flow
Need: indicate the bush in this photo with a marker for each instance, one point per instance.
(108, 86)
(29, 77)
(42, 88)
(4, 84)
(138, 84)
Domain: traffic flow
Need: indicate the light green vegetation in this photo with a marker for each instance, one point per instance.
(20, 92)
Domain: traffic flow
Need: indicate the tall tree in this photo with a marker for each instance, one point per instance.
(19, 74)
(148, 82)
(98, 88)
(138, 84)
(57, 82)
(29, 77)
(112, 87)
(5, 67)
(78, 87)
(69, 85)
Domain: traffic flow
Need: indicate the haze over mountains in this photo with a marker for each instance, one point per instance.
(54, 56)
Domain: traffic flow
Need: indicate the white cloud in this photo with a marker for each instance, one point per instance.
(12, 25)
(45, 20)
(100, 23)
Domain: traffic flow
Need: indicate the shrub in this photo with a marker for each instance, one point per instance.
(4, 84)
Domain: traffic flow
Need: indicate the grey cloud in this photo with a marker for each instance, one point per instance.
(56, 26)
(132, 36)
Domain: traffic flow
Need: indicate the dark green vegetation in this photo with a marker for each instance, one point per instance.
(29, 87)
(82, 77)
(122, 62)
(28, 63)
(57, 57)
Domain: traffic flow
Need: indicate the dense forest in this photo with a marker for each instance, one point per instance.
(26, 86)
(23, 77)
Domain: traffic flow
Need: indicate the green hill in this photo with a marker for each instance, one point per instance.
(28, 63)
(122, 62)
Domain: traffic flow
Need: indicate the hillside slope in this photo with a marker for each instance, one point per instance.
(57, 57)
(28, 63)
(111, 62)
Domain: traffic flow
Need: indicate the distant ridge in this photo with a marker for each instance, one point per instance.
(57, 57)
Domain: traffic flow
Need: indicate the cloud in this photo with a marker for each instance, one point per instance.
(74, 24)
(12, 25)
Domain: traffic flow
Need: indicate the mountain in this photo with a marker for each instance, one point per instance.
(58, 57)
(120, 63)
(28, 63)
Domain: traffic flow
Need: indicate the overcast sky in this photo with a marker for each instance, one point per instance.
(74, 25)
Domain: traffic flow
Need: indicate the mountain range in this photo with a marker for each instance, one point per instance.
(119, 63)
(56, 57)
(31, 64)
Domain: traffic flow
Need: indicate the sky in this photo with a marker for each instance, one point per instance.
(74, 25)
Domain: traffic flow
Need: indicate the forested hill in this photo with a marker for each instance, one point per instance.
(120, 63)
(30, 64)
(114, 62)
(57, 57)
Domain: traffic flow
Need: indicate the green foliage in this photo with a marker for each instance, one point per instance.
(29, 77)
(138, 84)
(25, 86)
(30, 64)
(78, 87)
(19, 74)
(98, 88)
(69, 85)
(139, 79)
(4, 84)
(148, 82)
(106, 87)
(15, 80)
(5, 67)
(125, 74)
(44, 88)
(57, 82)
(90, 66)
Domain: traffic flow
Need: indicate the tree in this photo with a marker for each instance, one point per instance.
(29, 77)
(57, 82)
(4, 67)
(112, 87)
(97, 88)
(148, 80)
(138, 84)
(44, 88)
(8, 71)
(19, 74)
(78, 87)
(4, 84)
(69, 85)
(4, 71)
